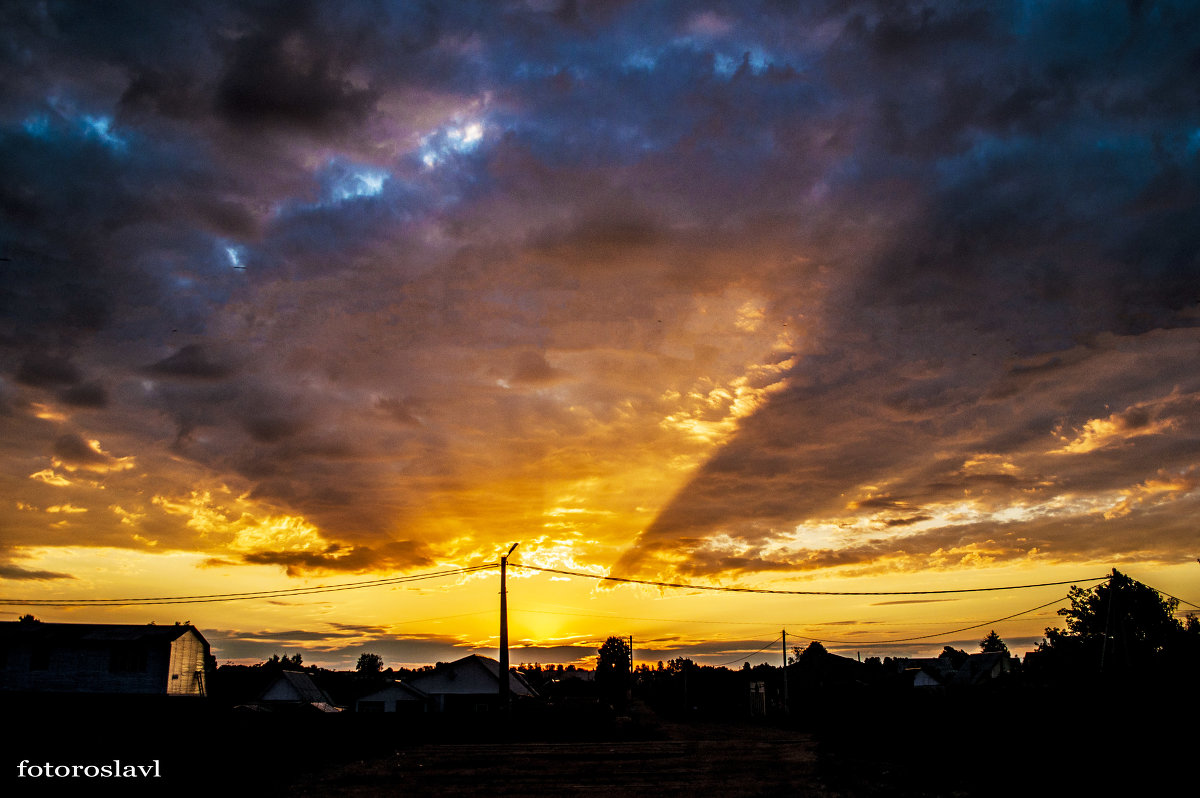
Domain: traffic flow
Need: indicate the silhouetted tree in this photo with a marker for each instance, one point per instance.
(955, 656)
(1120, 624)
(369, 664)
(992, 644)
(613, 661)
(680, 664)
(612, 669)
(814, 649)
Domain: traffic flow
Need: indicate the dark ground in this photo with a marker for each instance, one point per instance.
(930, 745)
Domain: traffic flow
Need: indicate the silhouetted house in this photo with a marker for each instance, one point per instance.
(968, 670)
(470, 684)
(926, 673)
(396, 697)
(817, 668)
(983, 668)
(114, 659)
(295, 691)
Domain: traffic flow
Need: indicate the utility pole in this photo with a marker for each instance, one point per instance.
(785, 693)
(505, 693)
(1112, 599)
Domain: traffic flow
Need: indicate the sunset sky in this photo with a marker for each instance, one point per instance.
(842, 296)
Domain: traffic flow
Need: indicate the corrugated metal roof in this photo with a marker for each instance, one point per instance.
(296, 686)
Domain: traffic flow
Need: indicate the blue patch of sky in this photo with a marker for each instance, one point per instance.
(1193, 143)
(725, 62)
(37, 125)
(459, 138)
(727, 66)
(641, 61)
(67, 120)
(527, 70)
(235, 254)
(100, 128)
(359, 182)
(341, 181)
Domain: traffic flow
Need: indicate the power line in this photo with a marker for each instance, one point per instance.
(629, 580)
(942, 634)
(637, 618)
(1181, 601)
(302, 591)
(748, 656)
(260, 594)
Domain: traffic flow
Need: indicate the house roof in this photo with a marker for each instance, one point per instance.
(396, 691)
(66, 633)
(293, 686)
(471, 675)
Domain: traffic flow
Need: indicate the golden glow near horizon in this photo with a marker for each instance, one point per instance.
(578, 525)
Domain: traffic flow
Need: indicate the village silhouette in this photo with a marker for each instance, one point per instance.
(1085, 707)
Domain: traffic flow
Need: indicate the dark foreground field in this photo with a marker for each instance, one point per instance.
(1017, 744)
(762, 765)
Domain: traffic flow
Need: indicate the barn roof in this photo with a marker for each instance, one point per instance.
(65, 633)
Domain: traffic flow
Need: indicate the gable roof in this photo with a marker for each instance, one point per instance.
(396, 691)
(68, 633)
(295, 687)
(471, 675)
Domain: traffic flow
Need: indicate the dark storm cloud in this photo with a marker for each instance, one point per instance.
(396, 555)
(1045, 202)
(42, 371)
(191, 361)
(88, 394)
(365, 255)
(75, 452)
(9, 570)
(283, 77)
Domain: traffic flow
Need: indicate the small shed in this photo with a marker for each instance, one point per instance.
(293, 690)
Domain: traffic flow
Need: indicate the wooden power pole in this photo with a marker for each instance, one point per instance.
(505, 692)
(785, 692)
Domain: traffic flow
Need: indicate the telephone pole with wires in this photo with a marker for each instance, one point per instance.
(785, 690)
(505, 692)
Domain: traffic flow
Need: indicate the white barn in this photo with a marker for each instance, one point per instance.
(39, 657)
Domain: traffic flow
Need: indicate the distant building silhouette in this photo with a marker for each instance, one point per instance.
(965, 670)
(38, 657)
(469, 684)
(295, 691)
(395, 697)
